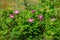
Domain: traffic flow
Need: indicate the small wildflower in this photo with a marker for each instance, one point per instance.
(11, 16)
(52, 19)
(31, 20)
(33, 11)
(40, 17)
(16, 12)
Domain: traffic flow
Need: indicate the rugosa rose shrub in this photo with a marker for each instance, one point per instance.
(39, 23)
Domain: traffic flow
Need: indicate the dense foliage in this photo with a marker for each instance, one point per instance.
(39, 22)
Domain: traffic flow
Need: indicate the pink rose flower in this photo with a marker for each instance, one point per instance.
(33, 11)
(41, 17)
(11, 16)
(16, 12)
(31, 20)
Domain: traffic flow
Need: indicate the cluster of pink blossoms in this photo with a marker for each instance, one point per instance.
(16, 12)
(30, 19)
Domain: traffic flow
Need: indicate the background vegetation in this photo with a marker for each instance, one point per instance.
(15, 19)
